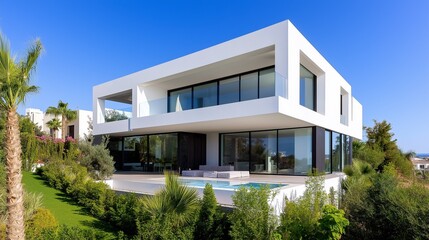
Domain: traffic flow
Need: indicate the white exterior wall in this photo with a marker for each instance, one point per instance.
(281, 45)
(36, 116)
(81, 123)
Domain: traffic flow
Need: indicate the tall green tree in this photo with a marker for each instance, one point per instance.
(67, 115)
(208, 225)
(380, 138)
(15, 78)
(54, 125)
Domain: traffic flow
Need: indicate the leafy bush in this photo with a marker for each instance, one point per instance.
(333, 223)
(75, 233)
(2, 230)
(97, 159)
(309, 217)
(42, 220)
(252, 217)
(123, 213)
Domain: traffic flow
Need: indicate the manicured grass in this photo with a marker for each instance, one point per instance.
(64, 210)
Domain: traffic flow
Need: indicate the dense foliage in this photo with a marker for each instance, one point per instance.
(96, 159)
(381, 198)
(253, 217)
(310, 217)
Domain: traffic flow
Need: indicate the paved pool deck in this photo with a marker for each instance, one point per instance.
(261, 178)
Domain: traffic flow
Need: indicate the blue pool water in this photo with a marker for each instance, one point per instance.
(228, 184)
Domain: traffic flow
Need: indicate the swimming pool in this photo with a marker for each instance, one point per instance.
(228, 184)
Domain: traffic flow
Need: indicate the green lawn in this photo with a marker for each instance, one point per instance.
(64, 210)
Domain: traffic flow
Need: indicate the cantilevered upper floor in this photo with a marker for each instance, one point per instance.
(268, 79)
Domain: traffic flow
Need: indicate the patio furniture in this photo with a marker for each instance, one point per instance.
(210, 174)
(192, 173)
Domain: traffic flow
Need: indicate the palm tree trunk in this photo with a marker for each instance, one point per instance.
(15, 196)
(63, 127)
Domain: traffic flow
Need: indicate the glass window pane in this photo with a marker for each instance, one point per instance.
(336, 152)
(263, 156)
(295, 151)
(249, 86)
(266, 83)
(307, 88)
(180, 100)
(205, 95)
(235, 150)
(327, 151)
(286, 152)
(346, 150)
(163, 152)
(229, 90)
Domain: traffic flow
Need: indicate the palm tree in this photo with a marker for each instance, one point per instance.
(54, 124)
(14, 87)
(66, 114)
(176, 202)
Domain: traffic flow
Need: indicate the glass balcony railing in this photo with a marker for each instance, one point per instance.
(112, 115)
(213, 93)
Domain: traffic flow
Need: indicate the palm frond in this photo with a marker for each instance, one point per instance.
(15, 76)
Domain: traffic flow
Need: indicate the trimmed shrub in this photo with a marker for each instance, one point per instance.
(42, 220)
(122, 213)
(75, 233)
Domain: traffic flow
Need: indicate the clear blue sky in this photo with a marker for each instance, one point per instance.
(380, 47)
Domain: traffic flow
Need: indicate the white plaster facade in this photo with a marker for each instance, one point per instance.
(280, 45)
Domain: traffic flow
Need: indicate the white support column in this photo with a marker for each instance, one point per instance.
(100, 111)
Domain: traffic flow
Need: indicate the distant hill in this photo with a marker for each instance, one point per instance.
(422, 155)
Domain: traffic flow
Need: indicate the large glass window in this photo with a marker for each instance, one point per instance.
(249, 86)
(295, 151)
(336, 152)
(205, 95)
(253, 85)
(264, 152)
(346, 150)
(163, 151)
(266, 83)
(235, 150)
(287, 151)
(328, 141)
(180, 100)
(307, 88)
(229, 90)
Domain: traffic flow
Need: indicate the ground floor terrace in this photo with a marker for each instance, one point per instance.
(285, 151)
(289, 187)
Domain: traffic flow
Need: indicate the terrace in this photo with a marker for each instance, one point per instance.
(286, 186)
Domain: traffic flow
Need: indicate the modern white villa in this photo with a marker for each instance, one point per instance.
(267, 102)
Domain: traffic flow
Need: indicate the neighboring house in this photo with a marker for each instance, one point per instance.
(76, 129)
(420, 163)
(266, 102)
